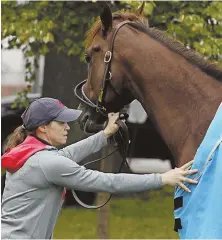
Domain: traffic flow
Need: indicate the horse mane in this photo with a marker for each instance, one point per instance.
(140, 23)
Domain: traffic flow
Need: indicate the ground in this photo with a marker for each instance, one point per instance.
(149, 215)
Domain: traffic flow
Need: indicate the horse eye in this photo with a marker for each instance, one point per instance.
(87, 58)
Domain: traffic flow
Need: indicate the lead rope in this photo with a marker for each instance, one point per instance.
(124, 135)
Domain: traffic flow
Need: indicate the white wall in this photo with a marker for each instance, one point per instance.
(13, 69)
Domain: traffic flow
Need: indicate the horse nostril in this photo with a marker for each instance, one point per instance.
(83, 119)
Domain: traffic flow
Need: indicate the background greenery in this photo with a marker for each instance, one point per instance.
(143, 216)
(41, 27)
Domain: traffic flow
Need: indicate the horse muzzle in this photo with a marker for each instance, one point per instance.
(87, 124)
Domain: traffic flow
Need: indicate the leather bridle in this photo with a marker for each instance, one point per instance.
(123, 133)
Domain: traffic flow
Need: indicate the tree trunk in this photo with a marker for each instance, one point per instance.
(103, 213)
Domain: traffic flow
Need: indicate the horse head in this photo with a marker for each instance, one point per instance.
(107, 86)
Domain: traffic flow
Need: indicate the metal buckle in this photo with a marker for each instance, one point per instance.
(107, 57)
(101, 109)
(110, 76)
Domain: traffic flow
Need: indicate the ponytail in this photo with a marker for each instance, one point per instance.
(16, 138)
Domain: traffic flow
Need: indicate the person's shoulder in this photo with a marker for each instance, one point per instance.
(50, 158)
(45, 153)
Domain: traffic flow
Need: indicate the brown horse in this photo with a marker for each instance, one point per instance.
(178, 88)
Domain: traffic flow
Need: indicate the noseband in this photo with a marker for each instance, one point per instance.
(107, 78)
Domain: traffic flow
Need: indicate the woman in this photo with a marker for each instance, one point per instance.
(37, 172)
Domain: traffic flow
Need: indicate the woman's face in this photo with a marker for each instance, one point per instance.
(57, 132)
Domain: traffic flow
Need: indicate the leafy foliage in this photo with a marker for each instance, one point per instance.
(39, 27)
(42, 26)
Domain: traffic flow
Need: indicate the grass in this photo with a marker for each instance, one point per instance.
(146, 216)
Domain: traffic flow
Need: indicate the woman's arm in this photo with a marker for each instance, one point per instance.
(66, 173)
(80, 150)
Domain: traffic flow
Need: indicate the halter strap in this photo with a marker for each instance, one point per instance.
(107, 59)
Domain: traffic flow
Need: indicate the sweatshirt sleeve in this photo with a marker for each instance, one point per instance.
(66, 173)
(80, 150)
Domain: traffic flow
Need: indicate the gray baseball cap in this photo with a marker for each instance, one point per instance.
(44, 110)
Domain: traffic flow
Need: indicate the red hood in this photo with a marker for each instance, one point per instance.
(16, 157)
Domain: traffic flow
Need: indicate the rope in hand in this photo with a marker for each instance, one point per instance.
(119, 140)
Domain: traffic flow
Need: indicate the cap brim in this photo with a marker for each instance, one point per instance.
(68, 115)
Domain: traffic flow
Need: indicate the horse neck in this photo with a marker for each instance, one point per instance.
(179, 98)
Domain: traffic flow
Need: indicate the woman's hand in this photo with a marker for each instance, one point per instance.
(176, 176)
(111, 127)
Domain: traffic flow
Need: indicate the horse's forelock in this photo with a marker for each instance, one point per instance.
(121, 15)
(90, 34)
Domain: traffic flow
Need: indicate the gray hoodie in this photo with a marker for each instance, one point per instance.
(32, 197)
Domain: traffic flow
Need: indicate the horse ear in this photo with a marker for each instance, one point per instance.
(140, 9)
(106, 18)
